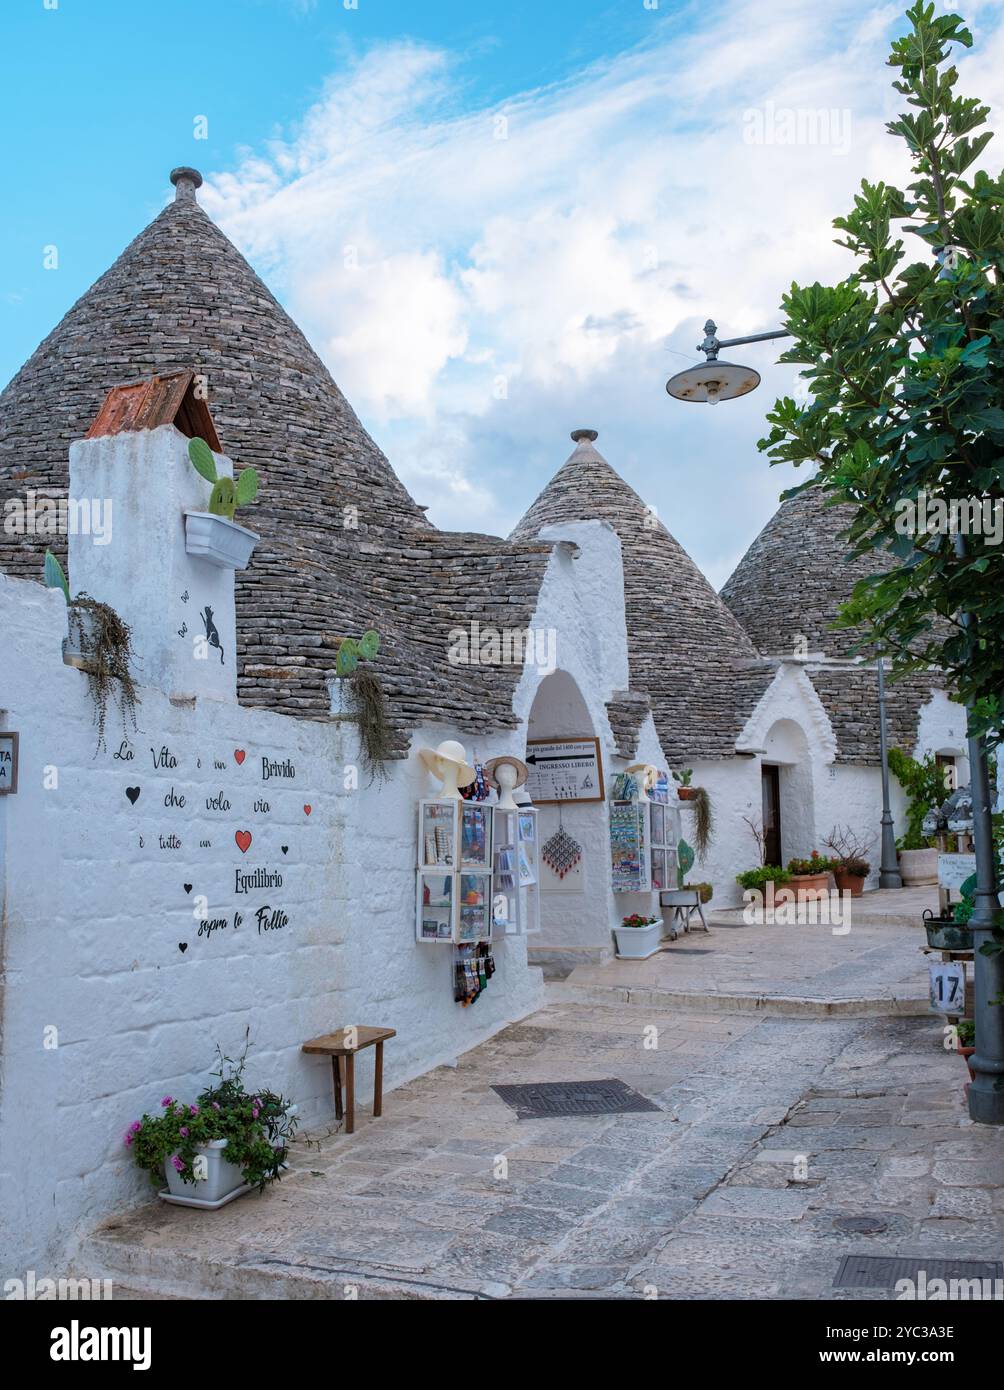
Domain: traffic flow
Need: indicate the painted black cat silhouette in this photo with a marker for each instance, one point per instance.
(212, 636)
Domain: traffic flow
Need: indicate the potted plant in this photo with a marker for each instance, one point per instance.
(924, 784)
(810, 877)
(683, 780)
(704, 890)
(965, 1042)
(99, 643)
(211, 1151)
(849, 865)
(638, 937)
(359, 695)
(764, 880)
(213, 534)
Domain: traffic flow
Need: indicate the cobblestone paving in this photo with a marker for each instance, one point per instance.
(769, 1129)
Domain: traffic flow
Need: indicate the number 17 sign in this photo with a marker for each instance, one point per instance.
(948, 987)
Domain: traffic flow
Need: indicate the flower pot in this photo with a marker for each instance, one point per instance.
(849, 883)
(638, 943)
(918, 867)
(808, 886)
(223, 543)
(222, 1178)
(967, 1052)
(81, 640)
(944, 934)
(687, 793)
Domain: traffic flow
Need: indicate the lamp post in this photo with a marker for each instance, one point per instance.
(889, 874)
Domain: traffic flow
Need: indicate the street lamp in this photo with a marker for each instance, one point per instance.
(712, 381)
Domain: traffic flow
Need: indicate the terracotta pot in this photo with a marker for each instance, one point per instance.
(849, 883)
(686, 793)
(918, 867)
(967, 1052)
(810, 885)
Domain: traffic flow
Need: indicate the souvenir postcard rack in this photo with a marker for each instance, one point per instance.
(643, 838)
(516, 876)
(453, 899)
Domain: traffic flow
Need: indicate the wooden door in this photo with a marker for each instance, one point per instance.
(771, 785)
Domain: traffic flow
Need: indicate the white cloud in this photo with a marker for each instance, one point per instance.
(506, 290)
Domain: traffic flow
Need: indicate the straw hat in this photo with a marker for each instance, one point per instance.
(448, 761)
(522, 771)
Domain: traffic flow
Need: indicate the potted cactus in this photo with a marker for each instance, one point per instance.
(213, 534)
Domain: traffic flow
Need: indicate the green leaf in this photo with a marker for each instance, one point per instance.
(202, 459)
(247, 487)
(55, 578)
(222, 500)
(347, 657)
(369, 644)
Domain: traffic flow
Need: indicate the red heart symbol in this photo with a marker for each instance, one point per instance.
(243, 838)
(239, 756)
(306, 810)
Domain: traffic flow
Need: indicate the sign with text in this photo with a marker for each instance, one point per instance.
(564, 769)
(954, 869)
(8, 762)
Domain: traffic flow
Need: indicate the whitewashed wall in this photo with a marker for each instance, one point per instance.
(114, 992)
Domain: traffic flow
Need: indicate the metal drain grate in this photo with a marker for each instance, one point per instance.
(884, 1271)
(543, 1099)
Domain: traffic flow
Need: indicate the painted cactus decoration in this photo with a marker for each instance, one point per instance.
(350, 650)
(227, 494)
(684, 862)
(55, 576)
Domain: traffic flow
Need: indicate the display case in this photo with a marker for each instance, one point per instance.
(643, 839)
(454, 875)
(515, 878)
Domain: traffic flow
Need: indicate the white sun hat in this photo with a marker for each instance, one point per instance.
(449, 763)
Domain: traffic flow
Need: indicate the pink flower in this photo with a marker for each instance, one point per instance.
(215, 1106)
(193, 1109)
(128, 1137)
(183, 1131)
(135, 1127)
(168, 1100)
(179, 1166)
(254, 1112)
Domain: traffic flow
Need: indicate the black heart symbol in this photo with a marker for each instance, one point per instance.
(133, 794)
(182, 945)
(285, 848)
(187, 887)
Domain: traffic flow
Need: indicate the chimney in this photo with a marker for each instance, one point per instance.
(185, 181)
(134, 467)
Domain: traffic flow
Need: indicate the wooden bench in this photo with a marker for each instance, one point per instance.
(346, 1042)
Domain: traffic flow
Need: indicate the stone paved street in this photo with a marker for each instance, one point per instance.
(769, 1129)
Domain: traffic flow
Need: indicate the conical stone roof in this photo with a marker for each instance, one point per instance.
(182, 296)
(343, 545)
(795, 576)
(686, 650)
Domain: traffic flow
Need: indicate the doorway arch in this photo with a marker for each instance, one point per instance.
(788, 792)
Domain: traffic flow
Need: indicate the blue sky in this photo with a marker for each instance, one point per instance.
(496, 221)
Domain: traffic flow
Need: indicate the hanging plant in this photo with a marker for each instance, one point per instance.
(704, 821)
(369, 703)
(105, 642)
(102, 643)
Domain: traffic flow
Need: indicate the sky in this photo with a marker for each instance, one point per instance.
(496, 222)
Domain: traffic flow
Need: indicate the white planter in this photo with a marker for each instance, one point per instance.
(81, 637)
(918, 866)
(221, 1178)
(638, 943)
(223, 543)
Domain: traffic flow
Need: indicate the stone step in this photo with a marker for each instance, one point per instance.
(715, 1001)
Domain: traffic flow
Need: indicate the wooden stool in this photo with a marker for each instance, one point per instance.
(346, 1042)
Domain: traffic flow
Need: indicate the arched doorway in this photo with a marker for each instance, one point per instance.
(574, 907)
